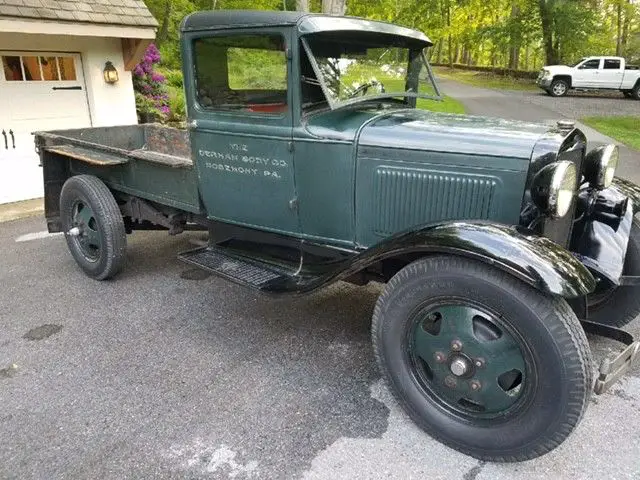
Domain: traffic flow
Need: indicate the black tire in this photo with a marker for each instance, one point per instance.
(558, 88)
(617, 307)
(635, 93)
(546, 411)
(105, 257)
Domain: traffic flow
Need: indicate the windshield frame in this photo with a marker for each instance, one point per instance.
(336, 104)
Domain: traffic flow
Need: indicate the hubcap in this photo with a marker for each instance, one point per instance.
(559, 88)
(466, 359)
(84, 231)
(459, 366)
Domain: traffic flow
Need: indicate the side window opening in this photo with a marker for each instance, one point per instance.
(591, 65)
(611, 64)
(242, 73)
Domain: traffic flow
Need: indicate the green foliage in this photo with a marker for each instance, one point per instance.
(258, 69)
(173, 77)
(516, 34)
(623, 129)
(177, 107)
(485, 79)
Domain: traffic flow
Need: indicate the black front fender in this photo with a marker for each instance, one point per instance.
(630, 190)
(533, 259)
(601, 235)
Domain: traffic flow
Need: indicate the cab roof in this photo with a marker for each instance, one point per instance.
(305, 22)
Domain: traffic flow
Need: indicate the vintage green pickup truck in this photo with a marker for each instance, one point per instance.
(310, 158)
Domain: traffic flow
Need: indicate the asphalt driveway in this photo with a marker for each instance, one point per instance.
(169, 373)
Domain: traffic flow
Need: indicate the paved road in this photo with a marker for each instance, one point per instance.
(167, 373)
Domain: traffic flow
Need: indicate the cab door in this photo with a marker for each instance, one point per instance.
(586, 75)
(611, 73)
(241, 127)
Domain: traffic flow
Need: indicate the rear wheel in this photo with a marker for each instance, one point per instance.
(635, 93)
(559, 88)
(482, 362)
(93, 226)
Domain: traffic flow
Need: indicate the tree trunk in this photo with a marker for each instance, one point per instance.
(546, 20)
(514, 37)
(449, 40)
(439, 50)
(334, 7)
(625, 27)
(163, 31)
(302, 5)
(619, 11)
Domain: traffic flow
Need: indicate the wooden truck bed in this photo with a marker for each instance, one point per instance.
(149, 161)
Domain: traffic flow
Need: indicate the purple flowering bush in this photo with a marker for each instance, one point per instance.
(152, 100)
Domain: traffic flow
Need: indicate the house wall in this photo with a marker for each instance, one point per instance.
(108, 104)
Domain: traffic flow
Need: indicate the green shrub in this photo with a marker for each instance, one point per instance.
(177, 107)
(173, 77)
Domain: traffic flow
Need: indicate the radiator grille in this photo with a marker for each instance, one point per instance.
(405, 198)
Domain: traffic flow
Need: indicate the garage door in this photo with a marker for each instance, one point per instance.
(38, 91)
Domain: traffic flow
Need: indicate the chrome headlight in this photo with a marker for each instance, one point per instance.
(600, 165)
(553, 188)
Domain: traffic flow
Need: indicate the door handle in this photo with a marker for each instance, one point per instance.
(13, 139)
(6, 145)
(77, 87)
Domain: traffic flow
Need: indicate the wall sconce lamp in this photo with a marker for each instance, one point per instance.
(110, 73)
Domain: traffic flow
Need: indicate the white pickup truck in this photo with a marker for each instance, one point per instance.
(591, 73)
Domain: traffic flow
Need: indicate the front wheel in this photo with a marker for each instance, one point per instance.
(559, 88)
(482, 362)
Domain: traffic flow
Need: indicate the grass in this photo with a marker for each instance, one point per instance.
(448, 105)
(485, 79)
(623, 129)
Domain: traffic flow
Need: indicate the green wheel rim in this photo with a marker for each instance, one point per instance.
(88, 239)
(467, 359)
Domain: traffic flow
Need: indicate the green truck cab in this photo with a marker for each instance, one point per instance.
(310, 157)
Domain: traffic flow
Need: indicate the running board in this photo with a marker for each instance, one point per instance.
(250, 273)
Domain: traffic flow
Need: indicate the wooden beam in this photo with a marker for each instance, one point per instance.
(132, 51)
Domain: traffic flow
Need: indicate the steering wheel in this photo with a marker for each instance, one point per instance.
(364, 88)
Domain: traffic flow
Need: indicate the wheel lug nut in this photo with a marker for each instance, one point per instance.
(475, 385)
(450, 382)
(456, 345)
(440, 357)
(479, 362)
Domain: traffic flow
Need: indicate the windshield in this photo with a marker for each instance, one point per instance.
(579, 61)
(357, 68)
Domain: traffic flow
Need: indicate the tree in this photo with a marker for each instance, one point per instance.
(334, 7)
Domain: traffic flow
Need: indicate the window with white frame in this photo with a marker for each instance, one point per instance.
(29, 68)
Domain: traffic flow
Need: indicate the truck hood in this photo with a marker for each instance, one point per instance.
(558, 69)
(445, 132)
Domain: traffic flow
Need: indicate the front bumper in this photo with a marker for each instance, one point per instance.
(543, 82)
(612, 369)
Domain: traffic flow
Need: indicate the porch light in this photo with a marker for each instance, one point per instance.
(110, 73)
